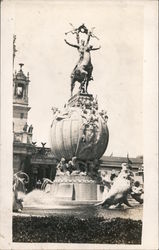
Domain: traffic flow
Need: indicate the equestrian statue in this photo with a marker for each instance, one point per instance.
(82, 72)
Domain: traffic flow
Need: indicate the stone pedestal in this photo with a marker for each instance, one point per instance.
(79, 99)
(77, 188)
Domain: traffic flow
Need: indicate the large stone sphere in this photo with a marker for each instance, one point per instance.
(79, 133)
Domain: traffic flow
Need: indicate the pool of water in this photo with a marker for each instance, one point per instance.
(85, 211)
(39, 203)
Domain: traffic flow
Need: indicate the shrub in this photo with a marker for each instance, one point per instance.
(69, 229)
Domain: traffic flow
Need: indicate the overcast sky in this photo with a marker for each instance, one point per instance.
(118, 65)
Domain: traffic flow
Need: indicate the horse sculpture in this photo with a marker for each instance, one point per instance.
(121, 187)
(82, 72)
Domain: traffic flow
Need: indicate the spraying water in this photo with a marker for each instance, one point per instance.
(20, 179)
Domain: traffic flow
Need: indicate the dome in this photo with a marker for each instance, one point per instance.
(20, 75)
(78, 132)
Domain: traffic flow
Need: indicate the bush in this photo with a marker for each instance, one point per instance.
(69, 229)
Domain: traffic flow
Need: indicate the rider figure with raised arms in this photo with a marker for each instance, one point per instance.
(83, 69)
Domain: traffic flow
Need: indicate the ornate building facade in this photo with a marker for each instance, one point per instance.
(37, 162)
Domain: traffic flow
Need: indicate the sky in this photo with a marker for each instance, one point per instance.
(40, 28)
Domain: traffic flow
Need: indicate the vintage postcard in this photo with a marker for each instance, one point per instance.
(79, 125)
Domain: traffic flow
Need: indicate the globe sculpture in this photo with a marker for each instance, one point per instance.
(79, 132)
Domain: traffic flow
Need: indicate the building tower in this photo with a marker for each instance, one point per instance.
(21, 131)
(27, 157)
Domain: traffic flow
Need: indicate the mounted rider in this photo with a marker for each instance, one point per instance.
(83, 69)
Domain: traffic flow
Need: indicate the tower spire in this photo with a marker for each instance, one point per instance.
(14, 49)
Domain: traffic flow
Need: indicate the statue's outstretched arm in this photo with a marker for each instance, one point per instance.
(88, 38)
(77, 37)
(96, 48)
(73, 45)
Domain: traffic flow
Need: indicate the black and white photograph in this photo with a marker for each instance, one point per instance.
(79, 129)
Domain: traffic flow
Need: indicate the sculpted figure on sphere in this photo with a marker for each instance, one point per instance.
(82, 72)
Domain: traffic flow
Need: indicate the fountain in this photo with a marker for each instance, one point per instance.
(79, 133)
(79, 137)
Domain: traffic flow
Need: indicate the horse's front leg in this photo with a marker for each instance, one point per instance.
(72, 85)
(82, 87)
(87, 81)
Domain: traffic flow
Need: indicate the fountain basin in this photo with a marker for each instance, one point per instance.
(74, 188)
